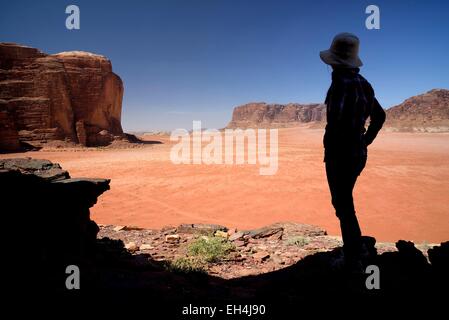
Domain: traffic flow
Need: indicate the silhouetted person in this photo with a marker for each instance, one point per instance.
(350, 101)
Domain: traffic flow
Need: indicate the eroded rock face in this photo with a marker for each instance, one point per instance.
(276, 115)
(50, 211)
(66, 96)
(428, 112)
(9, 137)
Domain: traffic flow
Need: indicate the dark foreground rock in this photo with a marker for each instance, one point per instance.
(288, 267)
(46, 217)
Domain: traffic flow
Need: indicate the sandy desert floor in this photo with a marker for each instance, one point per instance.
(402, 194)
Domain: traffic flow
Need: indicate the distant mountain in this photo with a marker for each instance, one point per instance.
(428, 112)
(263, 115)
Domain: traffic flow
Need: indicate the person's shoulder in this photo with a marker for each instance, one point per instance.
(365, 83)
(362, 78)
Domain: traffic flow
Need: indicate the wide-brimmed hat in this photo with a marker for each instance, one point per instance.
(344, 51)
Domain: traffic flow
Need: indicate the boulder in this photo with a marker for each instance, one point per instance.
(172, 238)
(146, 246)
(266, 232)
(236, 236)
(131, 247)
(261, 256)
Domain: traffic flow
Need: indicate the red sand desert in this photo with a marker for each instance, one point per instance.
(402, 194)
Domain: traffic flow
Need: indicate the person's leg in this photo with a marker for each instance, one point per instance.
(342, 175)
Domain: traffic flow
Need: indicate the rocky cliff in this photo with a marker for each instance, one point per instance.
(276, 115)
(428, 112)
(72, 96)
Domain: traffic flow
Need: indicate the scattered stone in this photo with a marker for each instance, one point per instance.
(172, 238)
(261, 255)
(119, 228)
(278, 260)
(161, 258)
(236, 236)
(168, 230)
(131, 247)
(257, 255)
(299, 229)
(244, 272)
(200, 228)
(266, 232)
(132, 228)
(239, 243)
(146, 247)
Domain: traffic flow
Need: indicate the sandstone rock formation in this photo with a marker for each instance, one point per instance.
(428, 112)
(262, 115)
(50, 210)
(72, 96)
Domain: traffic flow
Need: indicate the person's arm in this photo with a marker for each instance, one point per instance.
(377, 119)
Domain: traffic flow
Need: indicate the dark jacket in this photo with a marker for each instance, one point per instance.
(350, 101)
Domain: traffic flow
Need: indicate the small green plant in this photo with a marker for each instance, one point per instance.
(298, 241)
(210, 249)
(186, 265)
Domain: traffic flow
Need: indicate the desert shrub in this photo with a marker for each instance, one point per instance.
(210, 249)
(299, 241)
(186, 265)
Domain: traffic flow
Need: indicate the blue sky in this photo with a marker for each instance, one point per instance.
(196, 59)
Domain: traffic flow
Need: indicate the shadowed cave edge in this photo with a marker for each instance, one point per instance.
(51, 211)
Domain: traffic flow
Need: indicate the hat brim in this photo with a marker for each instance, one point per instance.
(332, 59)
